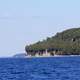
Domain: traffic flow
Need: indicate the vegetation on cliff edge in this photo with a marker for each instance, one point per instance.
(68, 41)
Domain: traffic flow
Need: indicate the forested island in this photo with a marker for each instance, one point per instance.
(63, 43)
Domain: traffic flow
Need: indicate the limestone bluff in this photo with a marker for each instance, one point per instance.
(63, 43)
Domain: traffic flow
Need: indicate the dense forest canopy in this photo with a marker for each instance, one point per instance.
(68, 41)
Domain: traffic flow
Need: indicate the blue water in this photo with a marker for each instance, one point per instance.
(57, 68)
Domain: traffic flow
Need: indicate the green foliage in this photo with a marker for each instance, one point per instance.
(68, 41)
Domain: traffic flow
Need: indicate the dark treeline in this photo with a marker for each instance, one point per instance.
(68, 41)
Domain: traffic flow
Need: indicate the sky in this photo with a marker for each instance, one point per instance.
(23, 22)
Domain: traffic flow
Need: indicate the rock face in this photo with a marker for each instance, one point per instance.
(68, 41)
(21, 55)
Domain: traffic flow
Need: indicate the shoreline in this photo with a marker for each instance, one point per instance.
(43, 56)
(52, 56)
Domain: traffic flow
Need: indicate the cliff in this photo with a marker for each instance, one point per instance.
(68, 41)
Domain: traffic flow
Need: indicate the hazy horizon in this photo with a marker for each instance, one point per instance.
(24, 22)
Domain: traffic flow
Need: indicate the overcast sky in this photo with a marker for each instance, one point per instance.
(26, 21)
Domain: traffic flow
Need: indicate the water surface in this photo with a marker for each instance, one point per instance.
(55, 68)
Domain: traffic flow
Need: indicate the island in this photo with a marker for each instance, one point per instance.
(20, 55)
(63, 43)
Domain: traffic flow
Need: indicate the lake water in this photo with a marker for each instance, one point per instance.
(56, 68)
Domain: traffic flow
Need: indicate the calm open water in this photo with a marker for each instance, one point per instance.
(56, 68)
